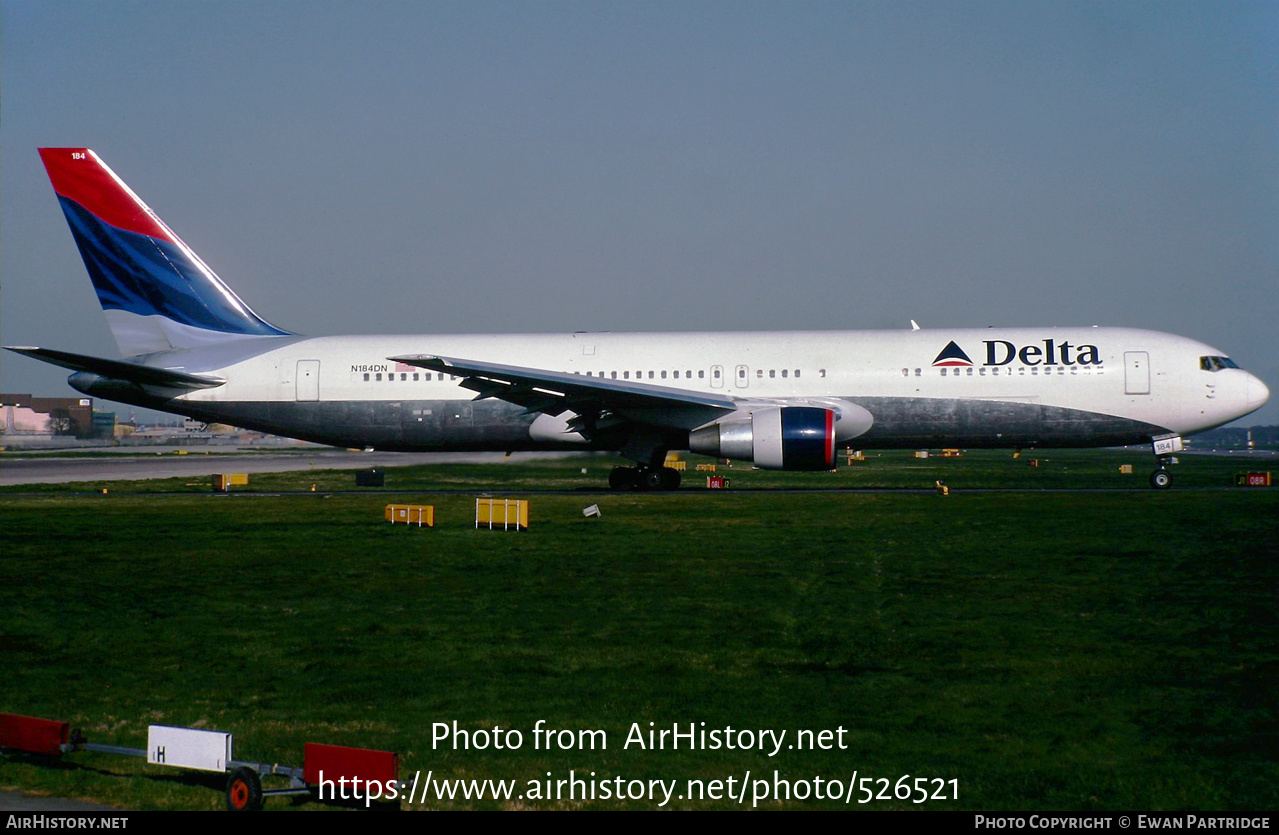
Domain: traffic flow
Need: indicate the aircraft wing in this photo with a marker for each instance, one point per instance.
(596, 401)
(144, 375)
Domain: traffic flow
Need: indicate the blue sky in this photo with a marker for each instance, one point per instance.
(486, 167)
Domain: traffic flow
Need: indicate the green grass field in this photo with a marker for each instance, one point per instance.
(1073, 649)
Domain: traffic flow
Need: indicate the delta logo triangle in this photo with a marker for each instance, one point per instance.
(952, 354)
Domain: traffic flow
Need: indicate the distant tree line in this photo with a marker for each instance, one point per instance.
(1237, 436)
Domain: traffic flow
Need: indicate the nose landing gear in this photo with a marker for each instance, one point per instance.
(1163, 448)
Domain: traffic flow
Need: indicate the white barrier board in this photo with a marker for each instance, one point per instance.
(188, 748)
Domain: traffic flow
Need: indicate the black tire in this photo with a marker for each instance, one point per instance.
(651, 478)
(670, 478)
(1161, 479)
(244, 791)
(623, 478)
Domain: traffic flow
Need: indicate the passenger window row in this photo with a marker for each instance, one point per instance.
(676, 374)
(404, 376)
(1059, 370)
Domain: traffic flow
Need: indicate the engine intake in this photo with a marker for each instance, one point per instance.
(779, 438)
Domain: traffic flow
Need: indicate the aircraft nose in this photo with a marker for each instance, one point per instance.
(1256, 393)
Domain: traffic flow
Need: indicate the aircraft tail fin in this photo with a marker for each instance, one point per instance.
(157, 294)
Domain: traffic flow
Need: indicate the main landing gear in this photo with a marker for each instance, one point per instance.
(643, 478)
(1163, 448)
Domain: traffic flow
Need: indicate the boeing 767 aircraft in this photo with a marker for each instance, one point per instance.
(782, 400)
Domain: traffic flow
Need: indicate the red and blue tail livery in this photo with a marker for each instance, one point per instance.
(158, 294)
(781, 400)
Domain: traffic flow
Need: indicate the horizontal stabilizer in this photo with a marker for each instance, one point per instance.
(143, 375)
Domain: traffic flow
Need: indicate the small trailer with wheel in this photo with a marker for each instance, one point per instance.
(330, 772)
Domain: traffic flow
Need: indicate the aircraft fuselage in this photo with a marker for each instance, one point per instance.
(1003, 387)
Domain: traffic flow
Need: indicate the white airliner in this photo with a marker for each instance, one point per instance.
(784, 400)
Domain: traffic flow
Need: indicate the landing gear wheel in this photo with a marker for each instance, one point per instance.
(643, 478)
(244, 791)
(1161, 479)
(623, 478)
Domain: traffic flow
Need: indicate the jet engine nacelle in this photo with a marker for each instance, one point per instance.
(775, 438)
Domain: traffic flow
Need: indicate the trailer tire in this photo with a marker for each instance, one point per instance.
(244, 790)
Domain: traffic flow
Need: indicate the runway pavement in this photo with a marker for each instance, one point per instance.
(70, 467)
(163, 463)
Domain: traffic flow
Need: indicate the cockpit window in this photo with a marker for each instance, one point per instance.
(1216, 363)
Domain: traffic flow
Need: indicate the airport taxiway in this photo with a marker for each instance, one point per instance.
(70, 467)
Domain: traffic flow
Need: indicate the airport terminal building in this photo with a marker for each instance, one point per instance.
(23, 414)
